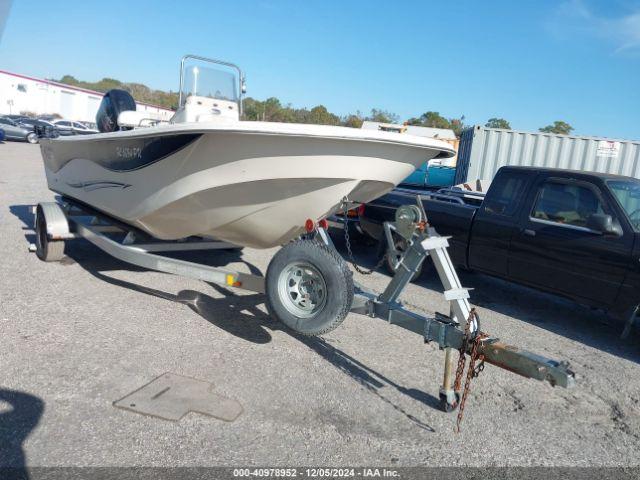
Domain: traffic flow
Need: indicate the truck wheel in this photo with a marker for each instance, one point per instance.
(46, 250)
(309, 287)
(392, 259)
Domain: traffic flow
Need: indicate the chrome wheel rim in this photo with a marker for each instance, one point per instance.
(302, 289)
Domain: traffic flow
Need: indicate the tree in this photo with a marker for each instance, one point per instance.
(457, 125)
(382, 116)
(434, 120)
(68, 80)
(498, 123)
(138, 91)
(353, 120)
(560, 127)
(321, 116)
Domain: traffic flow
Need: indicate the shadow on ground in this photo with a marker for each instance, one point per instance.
(555, 314)
(23, 213)
(239, 315)
(20, 413)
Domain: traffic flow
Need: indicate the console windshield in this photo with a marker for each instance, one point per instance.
(208, 81)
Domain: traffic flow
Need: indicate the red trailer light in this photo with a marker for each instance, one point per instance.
(323, 224)
(309, 225)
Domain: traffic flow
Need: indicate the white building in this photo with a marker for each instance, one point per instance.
(19, 93)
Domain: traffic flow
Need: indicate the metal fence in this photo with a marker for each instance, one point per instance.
(484, 150)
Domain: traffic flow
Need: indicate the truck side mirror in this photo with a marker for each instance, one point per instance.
(603, 223)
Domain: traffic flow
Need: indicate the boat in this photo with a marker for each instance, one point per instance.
(207, 173)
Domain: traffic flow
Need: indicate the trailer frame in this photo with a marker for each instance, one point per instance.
(67, 219)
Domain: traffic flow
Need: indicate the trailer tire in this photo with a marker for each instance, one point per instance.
(309, 287)
(46, 249)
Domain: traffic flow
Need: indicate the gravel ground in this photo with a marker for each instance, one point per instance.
(79, 334)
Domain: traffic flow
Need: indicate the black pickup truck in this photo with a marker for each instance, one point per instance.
(576, 234)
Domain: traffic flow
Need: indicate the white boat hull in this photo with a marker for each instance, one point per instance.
(253, 186)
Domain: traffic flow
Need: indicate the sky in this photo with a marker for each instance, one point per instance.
(530, 62)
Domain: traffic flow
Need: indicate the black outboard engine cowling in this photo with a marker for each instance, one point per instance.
(113, 103)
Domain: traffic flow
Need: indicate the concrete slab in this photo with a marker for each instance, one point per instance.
(172, 396)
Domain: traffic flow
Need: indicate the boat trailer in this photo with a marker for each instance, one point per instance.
(65, 219)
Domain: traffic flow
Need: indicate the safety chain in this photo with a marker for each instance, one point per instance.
(347, 241)
(472, 371)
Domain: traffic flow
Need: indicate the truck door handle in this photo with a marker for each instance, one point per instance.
(529, 233)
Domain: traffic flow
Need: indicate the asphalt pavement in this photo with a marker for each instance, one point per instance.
(76, 336)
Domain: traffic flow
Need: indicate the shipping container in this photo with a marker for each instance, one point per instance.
(484, 150)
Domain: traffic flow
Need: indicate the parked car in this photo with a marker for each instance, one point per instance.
(14, 131)
(574, 234)
(15, 118)
(90, 125)
(48, 118)
(41, 127)
(68, 127)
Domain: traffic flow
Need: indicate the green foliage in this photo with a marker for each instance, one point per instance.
(321, 116)
(271, 109)
(435, 120)
(498, 123)
(353, 120)
(382, 116)
(69, 80)
(139, 92)
(457, 125)
(560, 127)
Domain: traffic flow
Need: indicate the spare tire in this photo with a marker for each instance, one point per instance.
(113, 103)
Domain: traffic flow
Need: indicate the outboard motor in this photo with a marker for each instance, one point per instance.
(113, 103)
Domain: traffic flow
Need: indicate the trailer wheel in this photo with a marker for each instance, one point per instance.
(446, 405)
(46, 250)
(309, 287)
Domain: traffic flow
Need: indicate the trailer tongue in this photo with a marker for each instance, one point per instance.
(460, 330)
(304, 279)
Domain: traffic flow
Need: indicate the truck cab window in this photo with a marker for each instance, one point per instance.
(627, 193)
(505, 189)
(566, 203)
